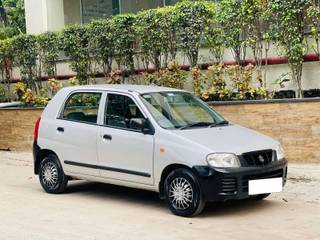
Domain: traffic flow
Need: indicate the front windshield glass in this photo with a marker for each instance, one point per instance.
(180, 110)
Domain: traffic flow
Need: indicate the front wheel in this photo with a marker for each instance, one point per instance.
(183, 193)
(51, 175)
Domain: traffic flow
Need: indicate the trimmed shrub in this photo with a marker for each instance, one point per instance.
(75, 42)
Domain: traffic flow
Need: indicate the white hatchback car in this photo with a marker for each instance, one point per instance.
(153, 138)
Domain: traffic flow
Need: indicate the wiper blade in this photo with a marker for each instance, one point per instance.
(198, 124)
(222, 123)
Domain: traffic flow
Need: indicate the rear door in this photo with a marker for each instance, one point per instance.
(76, 132)
(124, 153)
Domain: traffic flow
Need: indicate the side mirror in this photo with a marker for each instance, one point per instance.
(142, 125)
(137, 123)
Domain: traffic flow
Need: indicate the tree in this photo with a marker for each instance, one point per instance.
(288, 23)
(3, 15)
(192, 18)
(102, 41)
(25, 57)
(121, 26)
(6, 63)
(214, 37)
(313, 18)
(15, 15)
(49, 44)
(75, 42)
(257, 34)
(156, 33)
(170, 27)
(149, 29)
(233, 22)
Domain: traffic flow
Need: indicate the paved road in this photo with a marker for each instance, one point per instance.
(96, 211)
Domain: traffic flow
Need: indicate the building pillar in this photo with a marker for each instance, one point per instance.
(44, 15)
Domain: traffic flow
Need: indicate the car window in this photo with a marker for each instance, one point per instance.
(82, 107)
(120, 110)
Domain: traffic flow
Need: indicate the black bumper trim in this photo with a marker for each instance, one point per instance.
(221, 184)
(35, 150)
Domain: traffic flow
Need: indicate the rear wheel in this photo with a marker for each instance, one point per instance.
(183, 193)
(51, 175)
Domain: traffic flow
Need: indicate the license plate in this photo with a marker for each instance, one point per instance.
(262, 186)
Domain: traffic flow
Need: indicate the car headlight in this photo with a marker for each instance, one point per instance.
(223, 160)
(280, 152)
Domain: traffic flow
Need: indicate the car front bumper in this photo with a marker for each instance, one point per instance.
(221, 184)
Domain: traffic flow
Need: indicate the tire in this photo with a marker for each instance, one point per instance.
(51, 175)
(182, 183)
(261, 196)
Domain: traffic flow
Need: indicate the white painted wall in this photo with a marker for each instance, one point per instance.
(34, 16)
(55, 15)
(44, 15)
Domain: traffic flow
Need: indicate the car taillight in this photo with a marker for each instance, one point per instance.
(36, 129)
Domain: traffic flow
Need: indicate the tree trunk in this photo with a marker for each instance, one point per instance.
(297, 77)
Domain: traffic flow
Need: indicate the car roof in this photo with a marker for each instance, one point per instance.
(125, 88)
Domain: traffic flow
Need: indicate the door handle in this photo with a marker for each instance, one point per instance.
(60, 129)
(107, 137)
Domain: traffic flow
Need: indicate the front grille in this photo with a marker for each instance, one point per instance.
(229, 186)
(258, 158)
(273, 174)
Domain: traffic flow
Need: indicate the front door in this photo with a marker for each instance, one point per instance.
(124, 152)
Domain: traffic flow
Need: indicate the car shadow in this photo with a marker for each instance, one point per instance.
(114, 192)
(151, 199)
(237, 207)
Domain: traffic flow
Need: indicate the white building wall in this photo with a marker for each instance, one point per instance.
(44, 15)
(34, 16)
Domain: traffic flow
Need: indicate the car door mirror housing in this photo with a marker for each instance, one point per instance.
(142, 125)
(137, 123)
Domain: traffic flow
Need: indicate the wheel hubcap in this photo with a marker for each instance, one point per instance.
(180, 193)
(49, 175)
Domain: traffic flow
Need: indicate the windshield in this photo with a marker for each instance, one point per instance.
(180, 110)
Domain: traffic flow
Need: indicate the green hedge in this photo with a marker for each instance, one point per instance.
(155, 36)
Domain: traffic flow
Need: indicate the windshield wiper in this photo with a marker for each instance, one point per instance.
(222, 123)
(198, 124)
